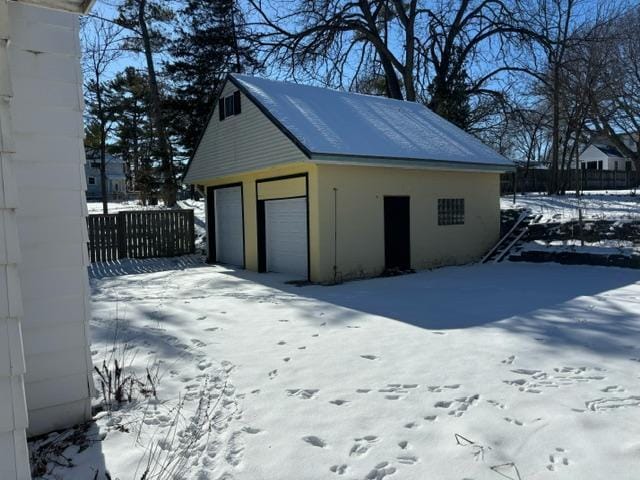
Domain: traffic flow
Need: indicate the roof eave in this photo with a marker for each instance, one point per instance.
(410, 163)
(63, 5)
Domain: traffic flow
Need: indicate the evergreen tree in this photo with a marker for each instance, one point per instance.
(450, 96)
(133, 137)
(209, 44)
(144, 18)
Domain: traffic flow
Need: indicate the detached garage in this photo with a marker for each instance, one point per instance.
(324, 186)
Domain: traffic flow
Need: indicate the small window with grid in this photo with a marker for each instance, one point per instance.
(450, 211)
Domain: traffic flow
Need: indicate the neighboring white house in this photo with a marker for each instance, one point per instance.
(45, 364)
(115, 169)
(602, 156)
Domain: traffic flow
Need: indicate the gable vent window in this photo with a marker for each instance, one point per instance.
(451, 211)
(229, 106)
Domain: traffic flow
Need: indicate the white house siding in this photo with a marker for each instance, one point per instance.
(49, 169)
(242, 143)
(14, 458)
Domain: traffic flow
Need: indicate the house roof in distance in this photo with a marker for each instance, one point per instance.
(608, 150)
(330, 123)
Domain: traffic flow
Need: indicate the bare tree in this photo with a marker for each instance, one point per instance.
(616, 102)
(100, 51)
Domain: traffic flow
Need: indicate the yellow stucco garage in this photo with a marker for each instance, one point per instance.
(295, 184)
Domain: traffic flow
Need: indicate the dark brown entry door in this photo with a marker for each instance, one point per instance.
(397, 243)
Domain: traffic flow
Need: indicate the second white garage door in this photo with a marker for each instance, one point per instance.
(286, 236)
(228, 224)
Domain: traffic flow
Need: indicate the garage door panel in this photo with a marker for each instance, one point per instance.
(286, 236)
(228, 226)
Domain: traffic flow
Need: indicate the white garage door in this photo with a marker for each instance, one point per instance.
(286, 236)
(228, 218)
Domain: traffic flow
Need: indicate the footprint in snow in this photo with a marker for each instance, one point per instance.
(283, 321)
(380, 471)
(339, 402)
(315, 441)
(403, 444)
(369, 357)
(305, 394)
(407, 459)
(273, 374)
(339, 469)
(251, 430)
(286, 359)
(515, 421)
(509, 360)
(557, 459)
(282, 342)
(362, 445)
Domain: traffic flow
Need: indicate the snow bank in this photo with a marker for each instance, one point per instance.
(469, 372)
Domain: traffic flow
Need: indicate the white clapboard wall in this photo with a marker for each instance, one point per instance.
(14, 458)
(48, 166)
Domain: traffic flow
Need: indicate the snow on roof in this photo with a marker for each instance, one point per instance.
(331, 122)
(608, 150)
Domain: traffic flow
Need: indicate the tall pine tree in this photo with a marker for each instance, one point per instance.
(210, 42)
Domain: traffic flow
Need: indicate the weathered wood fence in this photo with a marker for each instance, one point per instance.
(536, 180)
(140, 234)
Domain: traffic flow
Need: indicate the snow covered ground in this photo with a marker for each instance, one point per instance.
(521, 371)
(601, 247)
(598, 205)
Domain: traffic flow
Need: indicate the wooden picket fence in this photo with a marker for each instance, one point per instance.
(536, 180)
(140, 234)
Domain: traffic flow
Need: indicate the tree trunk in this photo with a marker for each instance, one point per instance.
(103, 146)
(169, 186)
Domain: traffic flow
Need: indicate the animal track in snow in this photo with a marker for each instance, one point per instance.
(560, 377)
(557, 459)
(613, 388)
(407, 459)
(363, 390)
(411, 425)
(509, 360)
(394, 391)
(251, 430)
(431, 418)
(613, 403)
(497, 404)
(305, 394)
(439, 388)
(362, 445)
(286, 359)
(403, 444)
(282, 342)
(339, 469)
(273, 374)
(515, 421)
(302, 348)
(198, 343)
(380, 471)
(235, 450)
(315, 441)
(339, 402)
(458, 406)
(283, 321)
(369, 357)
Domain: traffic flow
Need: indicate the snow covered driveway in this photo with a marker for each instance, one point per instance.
(485, 372)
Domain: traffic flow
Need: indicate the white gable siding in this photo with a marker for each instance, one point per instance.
(14, 459)
(47, 121)
(242, 143)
